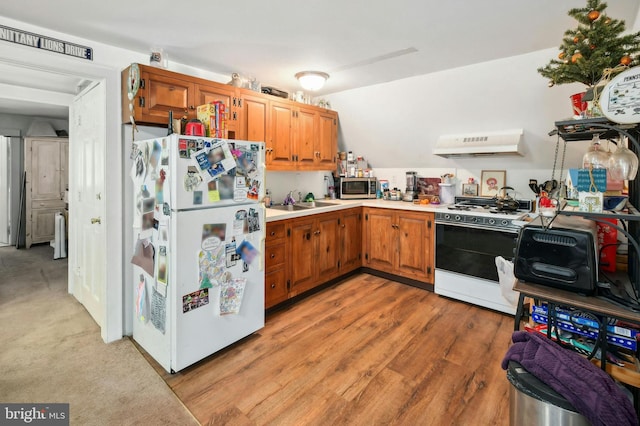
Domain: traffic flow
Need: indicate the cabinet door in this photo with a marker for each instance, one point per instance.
(207, 94)
(44, 169)
(254, 117)
(327, 140)
(327, 248)
(280, 136)
(305, 145)
(413, 230)
(43, 225)
(161, 94)
(381, 239)
(350, 240)
(302, 255)
(429, 253)
(64, 166)
(275, 287)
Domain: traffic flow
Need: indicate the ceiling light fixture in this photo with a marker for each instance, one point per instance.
(312, 80)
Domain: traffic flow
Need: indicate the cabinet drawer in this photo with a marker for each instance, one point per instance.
(275, 256)
(275, 288)
(275, 231)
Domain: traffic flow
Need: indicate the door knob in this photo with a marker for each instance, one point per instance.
(95, 220)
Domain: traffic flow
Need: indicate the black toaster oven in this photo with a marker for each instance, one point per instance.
(563, 255)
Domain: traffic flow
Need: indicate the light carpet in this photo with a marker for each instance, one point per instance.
(51, 351)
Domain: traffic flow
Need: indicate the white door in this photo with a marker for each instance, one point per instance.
(5, 199)
(87, 238)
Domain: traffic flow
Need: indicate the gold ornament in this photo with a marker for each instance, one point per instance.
(561, 55)
(593, 15)
(576, 56)
(607, 21)
(576, 39)
(551, 83)
(625, 60)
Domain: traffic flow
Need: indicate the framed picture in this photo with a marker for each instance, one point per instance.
(470, 189)
(491, 181)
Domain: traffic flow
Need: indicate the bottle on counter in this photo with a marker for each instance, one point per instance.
(267, 198)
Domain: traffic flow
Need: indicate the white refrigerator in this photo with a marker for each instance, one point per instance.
(198, 265)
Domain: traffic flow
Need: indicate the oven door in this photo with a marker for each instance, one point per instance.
(471, 250)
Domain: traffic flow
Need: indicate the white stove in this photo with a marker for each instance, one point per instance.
(482, 212)
(470, 234)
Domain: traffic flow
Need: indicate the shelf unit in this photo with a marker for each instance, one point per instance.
(584, 130)
(603, 310)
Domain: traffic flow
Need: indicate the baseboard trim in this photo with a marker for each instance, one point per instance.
(398, 278)
(403, 280)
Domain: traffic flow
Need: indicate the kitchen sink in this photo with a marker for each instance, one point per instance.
(312, 204)
(303, 205)
(290, 208)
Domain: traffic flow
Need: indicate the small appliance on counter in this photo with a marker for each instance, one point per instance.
(411, 192)
(357, 188)
(562, 255)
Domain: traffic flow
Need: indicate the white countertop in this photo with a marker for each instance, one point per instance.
(274, 215)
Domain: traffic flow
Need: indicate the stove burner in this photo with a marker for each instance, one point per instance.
(459, 207)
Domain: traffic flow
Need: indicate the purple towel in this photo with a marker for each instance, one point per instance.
(589, 389)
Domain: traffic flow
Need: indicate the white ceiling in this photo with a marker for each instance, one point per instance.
(357, 42)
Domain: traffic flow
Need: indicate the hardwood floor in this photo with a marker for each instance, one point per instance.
(365, 351)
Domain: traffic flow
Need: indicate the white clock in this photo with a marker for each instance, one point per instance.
(620, 98)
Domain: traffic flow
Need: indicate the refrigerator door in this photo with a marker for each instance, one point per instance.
(216, 279)
(209, 172)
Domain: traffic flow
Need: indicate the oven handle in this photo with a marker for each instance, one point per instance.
(486, 228)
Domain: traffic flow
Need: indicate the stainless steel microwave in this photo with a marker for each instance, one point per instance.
(355, 188)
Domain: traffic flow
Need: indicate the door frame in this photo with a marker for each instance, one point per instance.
(113, 327)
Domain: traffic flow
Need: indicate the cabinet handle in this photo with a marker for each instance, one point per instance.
(273, 233)
(141, 101)
(240, 103)
(273, 256)
(191, 107)
(317, 232)
(273, 286)
(344, 226)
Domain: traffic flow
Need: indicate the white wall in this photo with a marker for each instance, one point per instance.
(396, 125)
(23, 122)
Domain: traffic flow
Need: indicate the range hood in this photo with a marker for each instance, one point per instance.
(505, 142)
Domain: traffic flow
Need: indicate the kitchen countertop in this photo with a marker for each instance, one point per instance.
(273, 215)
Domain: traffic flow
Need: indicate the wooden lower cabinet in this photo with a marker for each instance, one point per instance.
(276, 289)
(399, 242)
(306, 252)
(303, 253)
(350, 240)
(314, 251)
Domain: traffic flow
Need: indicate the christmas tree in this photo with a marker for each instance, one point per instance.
(596, 44)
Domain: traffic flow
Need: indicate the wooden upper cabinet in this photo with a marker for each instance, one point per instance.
(296, 136)
(306, 133)
(327, 140)
(208, 94)
(254, 117)
(159, 94)
(279, 156)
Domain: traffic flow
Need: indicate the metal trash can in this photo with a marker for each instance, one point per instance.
(533, 403)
